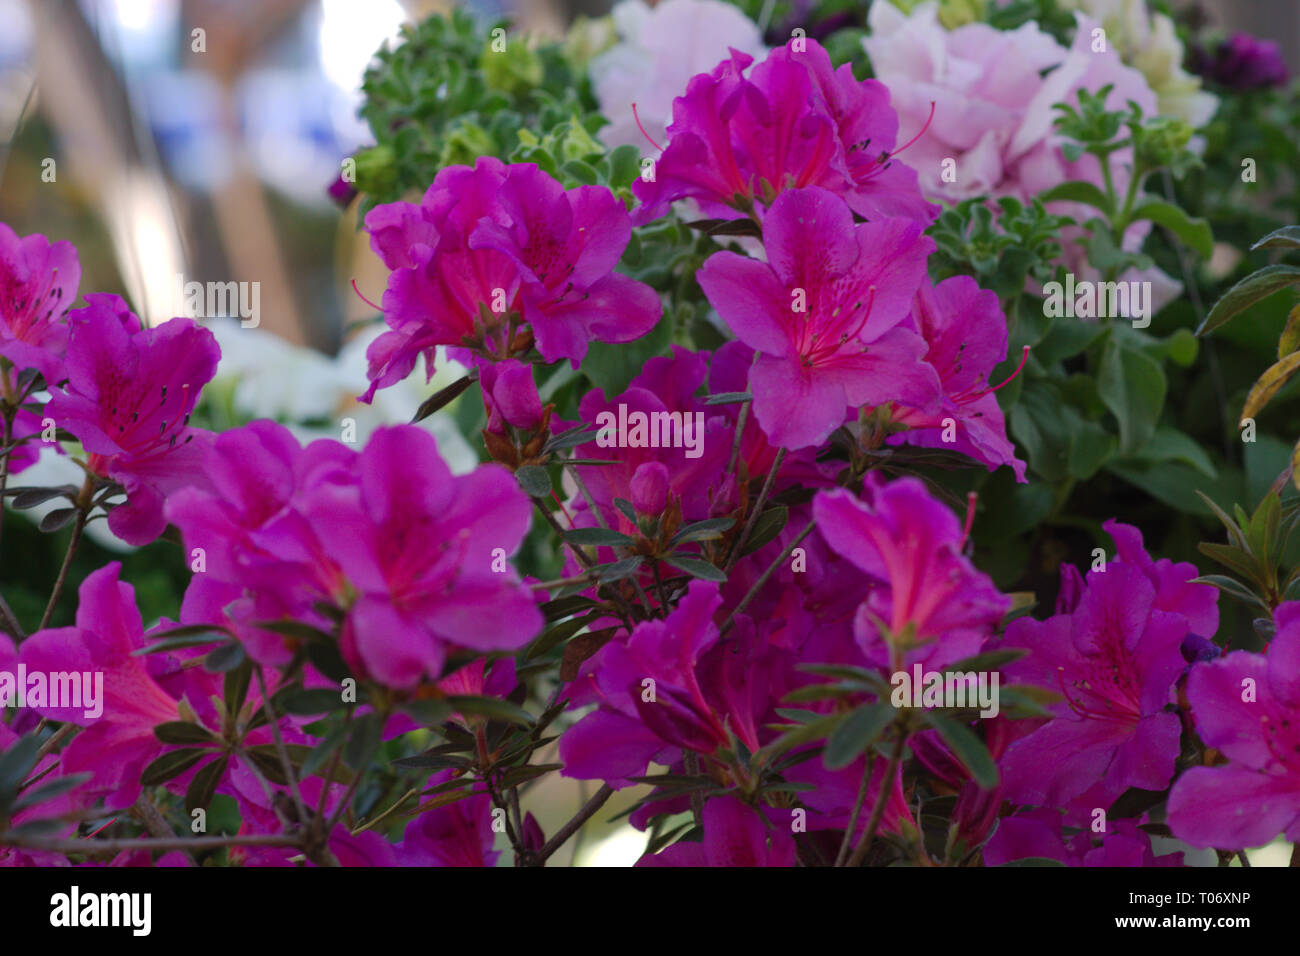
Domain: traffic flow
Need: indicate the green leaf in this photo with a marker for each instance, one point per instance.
(988, 661)
(610, 367)
(234, 689)
(49, 790)
(1256, 286)
(493, 708)
(295, 629)
(183, 732)
(535, 481)
(204, 784)
(1289, 340)
(1270, 382)
(1288, 237)
(617, 570)
(193, 635)
(225, 658)
(363, 741)
(430, 713)
(769, 524)
(599, 537)
(1234, 588)
(325, 657)
(1132, 386)
(442, 398)
(57, 519)
(1169, 444)
(1033, 861)
(696, 568)
(709, 529)
(1091, 446)
(31, 497)
(1077, 190)
(967, 747)
(624, 165)
(1195, 233)
(17, 762)
(307, 701)
(855, 733)
(554, 635)
(171, 764)
(727, 398)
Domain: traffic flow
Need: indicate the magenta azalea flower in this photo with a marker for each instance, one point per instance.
(1246, 706)
(736, 143)
(1114, 659)
(667, 687)
(139, 692)
(129, 396)
(38, 284)
(734, 835)
(1037, 834)
(423, 553)
(457, 834)
(510, 396)
(826, 314)
(413, 555)
(492, 249)
(967, 336)
(911, 544)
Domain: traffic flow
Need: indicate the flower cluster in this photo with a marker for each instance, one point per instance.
(747, 570)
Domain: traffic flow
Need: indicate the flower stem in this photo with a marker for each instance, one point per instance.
(83, 511)
(878, 811)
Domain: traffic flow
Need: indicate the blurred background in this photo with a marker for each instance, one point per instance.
(199, 140)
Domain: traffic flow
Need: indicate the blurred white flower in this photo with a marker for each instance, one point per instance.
(660, 50)
(1150, 43)
(315, 395)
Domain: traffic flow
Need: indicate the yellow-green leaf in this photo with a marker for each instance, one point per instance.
(1277, 375)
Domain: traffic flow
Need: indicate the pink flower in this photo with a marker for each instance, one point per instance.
(496, 248)
(129, 396)
(736, 143)
(456, 834)
(826, 314)
(967, 337)
(1247, 707)
(912, 545)
(734, 835)
(1114, 659)
(38, 284)
(651, 66)
(139, 692)
(982, 85)
(423, 554)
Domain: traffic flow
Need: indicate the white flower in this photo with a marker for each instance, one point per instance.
(660, 50)
(1149, 43)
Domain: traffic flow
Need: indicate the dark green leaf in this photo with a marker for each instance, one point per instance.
(696, 568)
(204, 785)
(598, 536)
(225, 658)
(1256, 286)
(171, 764)
(442, 398)
(967, 747)
(535, 481)
(856, 733)
(183, 732)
